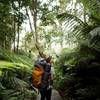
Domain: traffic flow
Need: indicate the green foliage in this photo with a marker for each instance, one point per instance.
(5, 24)
(93, 6)
(79, 78)
(16, 58)
(15, 71)
(11, 17)
(84, 75)
(14, 81)
(65, 63)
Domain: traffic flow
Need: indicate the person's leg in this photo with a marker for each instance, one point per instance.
(48, 94)
(43, 94)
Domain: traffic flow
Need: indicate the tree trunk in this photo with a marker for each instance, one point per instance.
(18, 29)
(35, 37)
(14, 33)
(18, 38)
(14, 26)
(29, 22)
(84, 15)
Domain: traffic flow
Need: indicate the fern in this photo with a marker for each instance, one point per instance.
(13, 82)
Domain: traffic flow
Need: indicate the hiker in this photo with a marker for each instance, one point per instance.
(46, 86)
(46, 77)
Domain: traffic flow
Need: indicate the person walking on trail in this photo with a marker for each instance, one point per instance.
(46, 80)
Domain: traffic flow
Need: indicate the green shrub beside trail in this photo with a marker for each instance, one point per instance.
(15, 71)
(78, 75)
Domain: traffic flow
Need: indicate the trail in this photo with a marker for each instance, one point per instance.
(55, 95)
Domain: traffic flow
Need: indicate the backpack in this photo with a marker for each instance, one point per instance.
(41, 74)
(37, 73)
(46, 79)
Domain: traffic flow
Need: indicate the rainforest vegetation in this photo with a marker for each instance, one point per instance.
(68, 30)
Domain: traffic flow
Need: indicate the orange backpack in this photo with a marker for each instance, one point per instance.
(37, 76)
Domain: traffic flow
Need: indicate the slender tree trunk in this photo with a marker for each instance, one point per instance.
(61, 42)
(14, 33)
(34, 14)
(14, 27)
(4, 46)
(29, 21)
(35, 19)
(3, 42)
(18, 38)
(18, 29)
(35, 36)
(84, 15)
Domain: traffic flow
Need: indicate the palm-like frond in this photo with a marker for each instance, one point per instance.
(74, 26)
(69, 17)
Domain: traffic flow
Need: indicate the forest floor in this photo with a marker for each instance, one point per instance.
(55, 95)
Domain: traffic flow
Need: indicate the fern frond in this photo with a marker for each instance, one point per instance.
(69, 17)
(73, 25)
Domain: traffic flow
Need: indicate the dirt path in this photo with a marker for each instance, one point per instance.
(55, 96)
